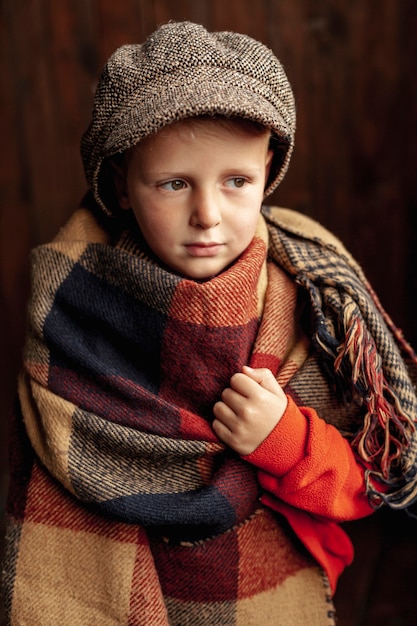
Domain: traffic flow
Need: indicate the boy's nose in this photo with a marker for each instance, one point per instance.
(206, 210)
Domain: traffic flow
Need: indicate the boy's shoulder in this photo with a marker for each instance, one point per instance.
(82, 226)
(303, 226)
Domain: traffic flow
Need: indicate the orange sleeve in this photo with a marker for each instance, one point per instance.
(310, 474)
(308, 464)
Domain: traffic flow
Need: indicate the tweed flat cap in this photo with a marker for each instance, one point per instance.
(181, 71)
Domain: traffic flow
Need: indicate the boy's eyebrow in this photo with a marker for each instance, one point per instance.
(230, 170)
(249, 169)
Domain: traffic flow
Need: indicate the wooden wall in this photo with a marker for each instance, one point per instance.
(353, 66)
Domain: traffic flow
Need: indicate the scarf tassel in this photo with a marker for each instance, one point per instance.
(386, 426)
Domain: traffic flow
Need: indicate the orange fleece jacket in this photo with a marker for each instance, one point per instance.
(311, 476)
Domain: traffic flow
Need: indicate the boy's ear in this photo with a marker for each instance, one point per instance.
(120, 185)
(269, 157)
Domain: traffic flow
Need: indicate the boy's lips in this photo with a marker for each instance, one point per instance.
(201, 249)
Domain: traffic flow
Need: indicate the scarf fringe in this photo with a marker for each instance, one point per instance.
(383, 407)
(387, 427)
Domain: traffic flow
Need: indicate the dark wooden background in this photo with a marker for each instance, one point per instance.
(353, 66)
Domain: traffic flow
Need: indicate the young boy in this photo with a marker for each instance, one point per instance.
(210, 385)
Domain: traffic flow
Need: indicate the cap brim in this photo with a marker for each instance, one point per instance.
(162, 103)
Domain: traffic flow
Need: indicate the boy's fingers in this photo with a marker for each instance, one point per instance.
(232, 398)
(263, 376)
(219, 428)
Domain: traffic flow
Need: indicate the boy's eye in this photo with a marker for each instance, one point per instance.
(238, 182)
(173, 185)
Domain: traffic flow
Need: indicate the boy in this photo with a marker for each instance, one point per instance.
(209, 385)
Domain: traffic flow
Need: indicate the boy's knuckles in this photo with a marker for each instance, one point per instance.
(237, 379)
(247, 413)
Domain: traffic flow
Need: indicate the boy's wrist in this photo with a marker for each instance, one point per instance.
(285, 446)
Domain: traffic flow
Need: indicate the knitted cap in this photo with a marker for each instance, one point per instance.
(181, 71)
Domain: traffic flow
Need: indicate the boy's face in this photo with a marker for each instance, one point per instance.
(196, 193)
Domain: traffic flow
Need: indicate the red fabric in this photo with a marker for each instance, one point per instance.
(311, 475)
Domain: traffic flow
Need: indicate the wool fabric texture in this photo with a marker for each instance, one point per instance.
(123, 364)
(183, 71)
(122, 501)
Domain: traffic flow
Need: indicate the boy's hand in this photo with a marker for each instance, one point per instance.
(249, 409)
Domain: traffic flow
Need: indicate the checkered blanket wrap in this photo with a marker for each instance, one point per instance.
(124, 508)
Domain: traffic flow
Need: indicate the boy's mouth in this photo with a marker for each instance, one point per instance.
(204, 249)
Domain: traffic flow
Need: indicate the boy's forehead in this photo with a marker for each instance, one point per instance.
(190, 140)
(208, 125)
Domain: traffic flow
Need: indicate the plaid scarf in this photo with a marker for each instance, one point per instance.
(124, 508)
(364, 356)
